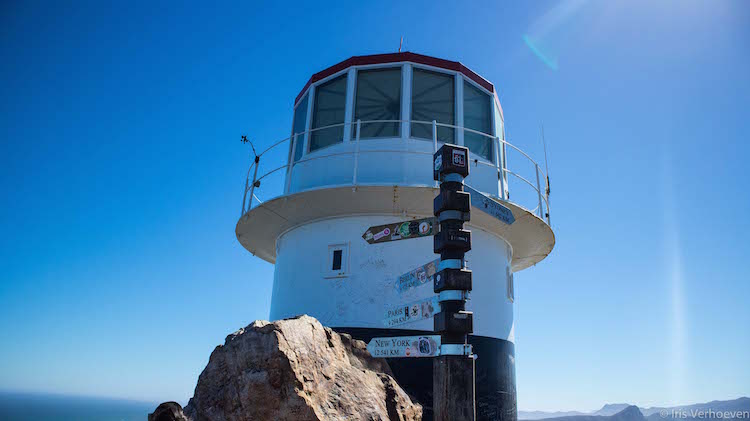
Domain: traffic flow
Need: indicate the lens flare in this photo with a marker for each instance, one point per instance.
(546, 33)
(673, 253)
(549, 62)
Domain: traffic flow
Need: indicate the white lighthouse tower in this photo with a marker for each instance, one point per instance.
(360, 155)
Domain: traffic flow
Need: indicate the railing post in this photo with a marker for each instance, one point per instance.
(501, 170)
(434, 136)
(291, 165)
(244, 196)
(546, 194)
(252, 187)
(538, 191)
(434, 143)
(356, 153)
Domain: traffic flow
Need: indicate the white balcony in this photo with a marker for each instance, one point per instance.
(394, 161)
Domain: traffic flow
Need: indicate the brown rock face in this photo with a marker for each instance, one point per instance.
(296, 369)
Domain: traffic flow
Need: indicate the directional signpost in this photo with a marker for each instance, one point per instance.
(401, 230)
(453, 371)
(453, 367)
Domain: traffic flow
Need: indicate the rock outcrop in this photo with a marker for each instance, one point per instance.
(296, 369)
(168, 411)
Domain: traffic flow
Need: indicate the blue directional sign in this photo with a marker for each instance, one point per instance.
(490, 206)
(405, 346)
(412, 312)
(417, 277)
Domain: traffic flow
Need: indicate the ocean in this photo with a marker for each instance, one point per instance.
(43, 407)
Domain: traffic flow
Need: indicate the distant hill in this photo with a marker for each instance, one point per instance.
(629, 413)
(542, 415)
(612, 409)
(732, 409)
(701, 410)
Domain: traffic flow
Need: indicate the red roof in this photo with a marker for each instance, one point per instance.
(395, 58)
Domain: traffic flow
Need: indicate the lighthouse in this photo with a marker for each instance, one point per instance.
(342, 207)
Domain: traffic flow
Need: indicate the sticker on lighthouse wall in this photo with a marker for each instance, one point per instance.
(417, 277)
(405, 346)
(401, 230)
(412, 312)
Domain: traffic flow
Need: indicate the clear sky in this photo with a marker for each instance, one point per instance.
(122, 176)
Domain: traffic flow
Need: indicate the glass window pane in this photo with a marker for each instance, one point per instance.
(432, 98)
(477, 109)
(330, 106)
(378, 98)
(337, 255)
(300, 120)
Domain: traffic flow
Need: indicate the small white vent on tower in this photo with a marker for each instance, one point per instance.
(509, 277)
(338, 261)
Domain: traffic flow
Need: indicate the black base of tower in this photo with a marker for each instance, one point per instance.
(495, 373)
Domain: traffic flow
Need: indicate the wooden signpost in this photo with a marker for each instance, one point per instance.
(453, 372)
(400, 230)
(453, 368)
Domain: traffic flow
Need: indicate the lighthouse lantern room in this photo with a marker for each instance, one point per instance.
(342, 208)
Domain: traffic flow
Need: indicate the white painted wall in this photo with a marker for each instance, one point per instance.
(382, 161)
(361, 298)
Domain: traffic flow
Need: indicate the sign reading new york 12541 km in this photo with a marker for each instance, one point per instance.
(405, 347)
(401, 230)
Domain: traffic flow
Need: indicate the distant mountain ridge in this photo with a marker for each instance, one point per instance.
(740, 404)
(628, 413)
(625, 412)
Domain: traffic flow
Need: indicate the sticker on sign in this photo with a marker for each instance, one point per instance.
(412, 312)
(381, 234)
(405, 347)
(459, 158)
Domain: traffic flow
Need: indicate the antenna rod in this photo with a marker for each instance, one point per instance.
(546, 165)
(546, 170)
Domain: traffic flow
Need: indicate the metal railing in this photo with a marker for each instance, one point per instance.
(500, 162)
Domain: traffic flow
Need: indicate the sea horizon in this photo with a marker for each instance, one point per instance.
(18, 405)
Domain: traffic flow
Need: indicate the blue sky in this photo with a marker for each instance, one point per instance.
(122, 176)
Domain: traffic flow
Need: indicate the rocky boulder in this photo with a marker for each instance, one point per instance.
(168, 411)
(295, 369)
